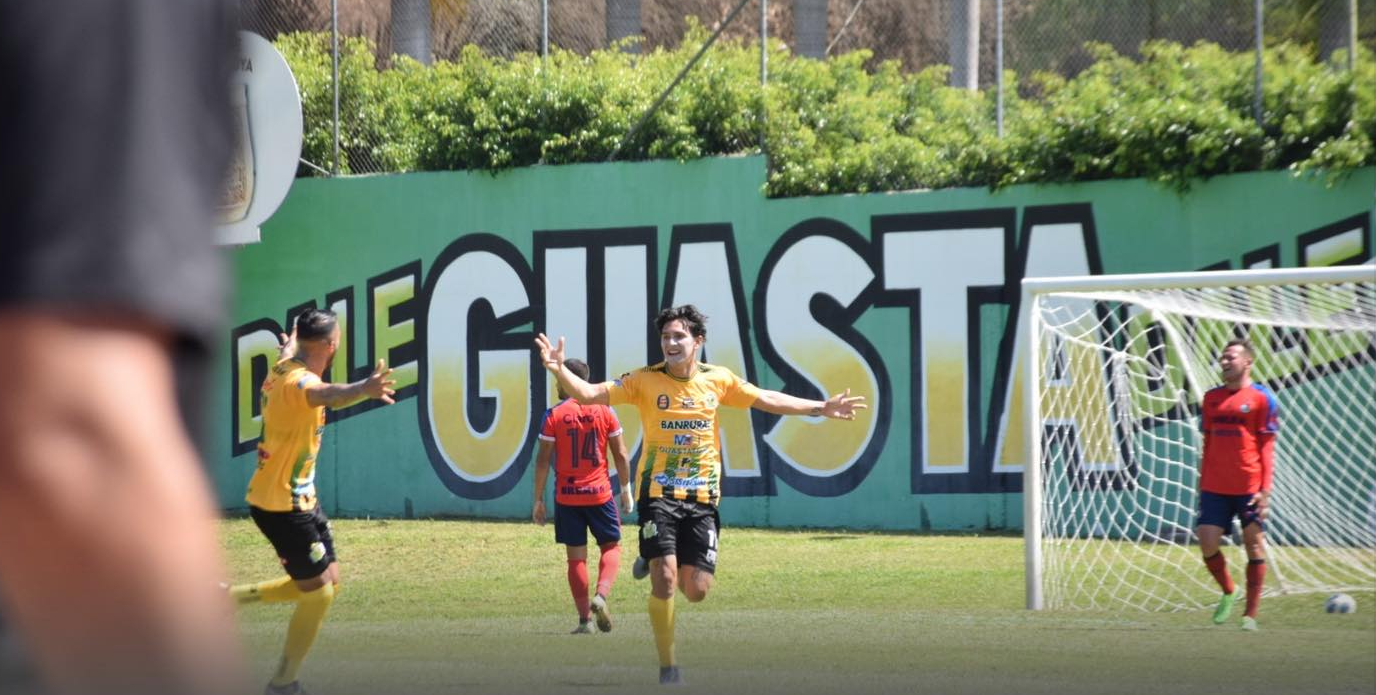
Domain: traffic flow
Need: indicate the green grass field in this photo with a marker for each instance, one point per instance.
(483, 607)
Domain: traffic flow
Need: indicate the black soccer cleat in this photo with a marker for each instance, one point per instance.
(669, 675)
(292, 688)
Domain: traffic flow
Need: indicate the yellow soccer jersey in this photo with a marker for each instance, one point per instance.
(681, 456)
(285, 479)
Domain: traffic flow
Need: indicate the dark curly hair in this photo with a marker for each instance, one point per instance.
(695, 320)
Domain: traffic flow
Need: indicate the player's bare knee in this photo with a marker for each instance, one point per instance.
(693, 594)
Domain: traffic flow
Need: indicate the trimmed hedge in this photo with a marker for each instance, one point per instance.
(842, 125)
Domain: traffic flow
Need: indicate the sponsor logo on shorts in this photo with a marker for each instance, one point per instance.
(649, 530)
(317, 551)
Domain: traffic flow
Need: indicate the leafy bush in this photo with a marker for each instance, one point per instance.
(841, 125)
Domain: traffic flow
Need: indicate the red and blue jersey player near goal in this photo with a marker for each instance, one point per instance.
(578, 437)
(1239, 421)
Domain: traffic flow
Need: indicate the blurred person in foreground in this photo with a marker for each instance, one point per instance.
(114, 135)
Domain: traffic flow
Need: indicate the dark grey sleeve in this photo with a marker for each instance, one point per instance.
(113, 133)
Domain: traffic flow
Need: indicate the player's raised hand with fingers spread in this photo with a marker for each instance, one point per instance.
(379, 384)
(842, 406)
(287, 350)
(551, 355)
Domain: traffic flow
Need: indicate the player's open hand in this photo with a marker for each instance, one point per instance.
(1262, 502)
(287, 349)
(380, 384)
(842, 406)
(538, 513)
(551, 355)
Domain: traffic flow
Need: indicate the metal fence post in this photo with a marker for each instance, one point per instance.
(1351, 35)
(764, 42)
(1256, 95)
(334, 79)
(998, 64)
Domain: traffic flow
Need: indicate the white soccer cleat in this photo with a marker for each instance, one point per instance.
(1249, 624)
(599, 611)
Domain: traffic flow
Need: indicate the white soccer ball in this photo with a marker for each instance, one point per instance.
(1340, 603)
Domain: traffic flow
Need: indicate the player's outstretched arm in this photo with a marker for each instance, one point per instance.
(552, 357)
(378, 385)
(842, 406)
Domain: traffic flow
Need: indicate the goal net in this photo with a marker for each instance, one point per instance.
(1119, 366)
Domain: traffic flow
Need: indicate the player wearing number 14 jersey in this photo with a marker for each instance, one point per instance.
(578, 438)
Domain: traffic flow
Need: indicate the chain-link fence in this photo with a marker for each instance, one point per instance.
(969, 35)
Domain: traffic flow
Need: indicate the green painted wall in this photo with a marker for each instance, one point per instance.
(905, 297)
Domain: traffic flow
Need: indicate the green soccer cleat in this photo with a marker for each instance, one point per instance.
(599, 611)
(1249, 623)
(669, 675)
(584, 628)
(1225, 607)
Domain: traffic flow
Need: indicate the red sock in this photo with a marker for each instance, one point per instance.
(578, 586)
(1256, 575)
(607, 568)
(1218, 566)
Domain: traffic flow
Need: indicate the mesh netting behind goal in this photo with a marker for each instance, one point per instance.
(1120, 373)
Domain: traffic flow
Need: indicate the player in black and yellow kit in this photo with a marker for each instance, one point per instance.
(281, 494)
(680, 479)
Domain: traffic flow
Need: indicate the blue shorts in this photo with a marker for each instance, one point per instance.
(572, 523)
(1219, 510)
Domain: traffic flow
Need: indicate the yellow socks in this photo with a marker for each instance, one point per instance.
(662, 621)
(272, 591)
(310, 612)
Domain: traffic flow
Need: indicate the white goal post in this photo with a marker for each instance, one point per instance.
(1116, 366)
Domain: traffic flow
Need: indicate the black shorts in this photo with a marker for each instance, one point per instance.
(685, 528)
(302, 540)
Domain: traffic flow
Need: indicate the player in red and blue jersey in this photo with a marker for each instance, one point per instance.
(578, 437)
(1239, 421)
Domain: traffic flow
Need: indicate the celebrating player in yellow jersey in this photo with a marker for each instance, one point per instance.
(680, 479)
(281, 494)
